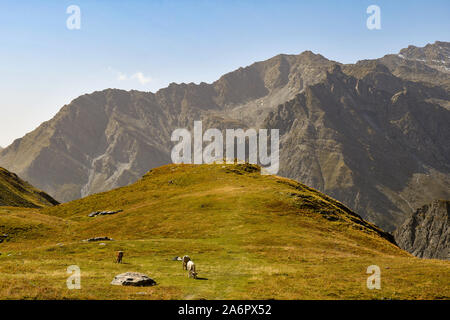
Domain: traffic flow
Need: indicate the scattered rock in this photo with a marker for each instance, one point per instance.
(98, 239)
(102, 213)
(102, 244)
(331, 217)
(60, 244)
(135, 279)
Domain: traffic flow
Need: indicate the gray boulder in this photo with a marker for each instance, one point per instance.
(135, 279)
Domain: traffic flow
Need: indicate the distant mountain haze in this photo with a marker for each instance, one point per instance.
(373, 135)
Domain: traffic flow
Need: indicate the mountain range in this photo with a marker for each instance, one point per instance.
(373, 134)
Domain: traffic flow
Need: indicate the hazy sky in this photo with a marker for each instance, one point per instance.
(145, 45)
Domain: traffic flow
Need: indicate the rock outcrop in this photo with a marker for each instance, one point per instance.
(98, 239)
(103, 213)
(426, 233)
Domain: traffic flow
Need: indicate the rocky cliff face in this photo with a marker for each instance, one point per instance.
(375, 150)
(426, 233)
(428, 64)
(372, 136)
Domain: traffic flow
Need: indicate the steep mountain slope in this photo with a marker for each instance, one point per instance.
(373, 134)
(15, 192)
(251, 237)
(373, 149)
(426, 233)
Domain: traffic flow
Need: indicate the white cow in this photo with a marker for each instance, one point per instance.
(185, 260)
(191, 269)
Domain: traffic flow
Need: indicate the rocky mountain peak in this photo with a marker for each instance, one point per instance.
(436, 55)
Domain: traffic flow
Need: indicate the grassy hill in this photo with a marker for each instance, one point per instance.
(251, 236)
(18, 193)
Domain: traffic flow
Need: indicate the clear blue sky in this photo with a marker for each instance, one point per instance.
(145, 45)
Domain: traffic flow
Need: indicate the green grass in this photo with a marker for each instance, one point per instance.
(251, 237)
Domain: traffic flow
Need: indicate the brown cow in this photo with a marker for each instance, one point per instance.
(119, 257)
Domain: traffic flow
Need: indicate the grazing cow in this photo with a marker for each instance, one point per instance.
(119, 257)
(191, 269)
(186, 259)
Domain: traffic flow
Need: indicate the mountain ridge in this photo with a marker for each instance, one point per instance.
(112, 137)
